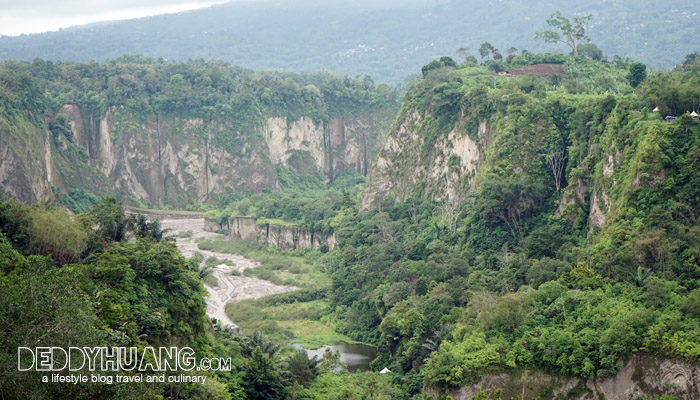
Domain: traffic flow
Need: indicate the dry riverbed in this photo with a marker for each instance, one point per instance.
(231, 284)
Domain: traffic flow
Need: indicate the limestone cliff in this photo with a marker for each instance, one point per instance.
(447, 172)
(445, 155)
(160, 159)
(640, 376)
(166, 159)
(339, 145)
(278, 236)
(27, 169)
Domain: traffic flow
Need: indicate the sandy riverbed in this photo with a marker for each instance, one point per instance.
(229, 287)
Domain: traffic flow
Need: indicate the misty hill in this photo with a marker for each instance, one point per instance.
(388, 41)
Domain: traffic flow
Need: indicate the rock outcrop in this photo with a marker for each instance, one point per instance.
(339, 145)
(27, 169)
(160, 159)
(450, 169)
(282, 237)
(640, 376)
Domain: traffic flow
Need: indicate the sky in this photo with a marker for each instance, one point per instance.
(37, 16)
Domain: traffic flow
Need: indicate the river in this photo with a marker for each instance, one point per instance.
(356, 356)
(237, 287)
(229, 287)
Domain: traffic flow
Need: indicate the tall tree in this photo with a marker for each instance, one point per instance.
(511, 54)
(467, 54)
(572, 31)
(637, 73)
(556, 158)
(485, 49)
(263, 379)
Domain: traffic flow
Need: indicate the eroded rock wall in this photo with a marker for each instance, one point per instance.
(160, 159)
(447, 173)
(640, 376)
(27, 169)
(338, 145)
(278, 236)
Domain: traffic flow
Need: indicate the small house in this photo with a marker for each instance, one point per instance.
(694, 115)
(541, 70)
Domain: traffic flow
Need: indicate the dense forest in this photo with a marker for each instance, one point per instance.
(107, 278)
(79, 281)
(195, 89)
(573, 248)
(567, 243)
(387, 39)
(519, 273)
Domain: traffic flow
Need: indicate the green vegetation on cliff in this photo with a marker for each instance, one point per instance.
(162, 133)
(573, 246)
(310, 209)
(76, 282)
(198, 89)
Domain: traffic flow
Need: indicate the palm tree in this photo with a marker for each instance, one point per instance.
(257, 339)
(640, 278)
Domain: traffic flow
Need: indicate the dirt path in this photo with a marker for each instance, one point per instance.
(229, 287)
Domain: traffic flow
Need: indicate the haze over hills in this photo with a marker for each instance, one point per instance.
(536, 235)
(389, 40)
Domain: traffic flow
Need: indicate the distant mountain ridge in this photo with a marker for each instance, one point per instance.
(388, 41)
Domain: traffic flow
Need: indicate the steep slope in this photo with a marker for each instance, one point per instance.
(640, 377)
(444, 175)
(568, 244)
(587, 153)
(439, 141)
(26, 169)
(166, 133)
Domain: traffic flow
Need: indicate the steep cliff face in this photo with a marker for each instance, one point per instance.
(289, 238)
(27, 170)
(282, 137)
(163, 133)
(242, 228)
(641, 376)
(445, 173)
(582, 154)
(167, 159)
(339, 145)
(278, 236)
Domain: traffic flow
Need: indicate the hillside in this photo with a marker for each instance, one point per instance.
(163, 133)
(520, 224)
(388, 40)
(538, 235)
(519, 228)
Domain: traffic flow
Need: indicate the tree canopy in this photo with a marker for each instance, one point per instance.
(571, 31)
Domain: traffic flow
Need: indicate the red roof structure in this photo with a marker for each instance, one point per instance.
(543, 70)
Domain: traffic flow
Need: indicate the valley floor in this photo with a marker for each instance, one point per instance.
(230, 285)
